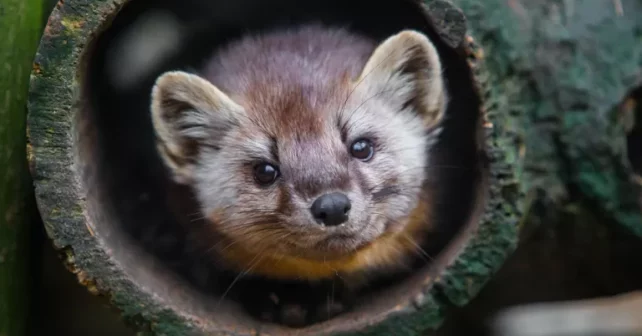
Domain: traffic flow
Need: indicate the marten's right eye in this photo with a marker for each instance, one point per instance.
(265, 173)
(362, 149)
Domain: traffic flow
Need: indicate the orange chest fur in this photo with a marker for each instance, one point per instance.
(389, 250)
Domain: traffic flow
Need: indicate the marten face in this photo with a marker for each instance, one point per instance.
(311, 169)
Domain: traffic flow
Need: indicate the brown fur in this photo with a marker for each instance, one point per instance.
(298, 99)
(388, 251)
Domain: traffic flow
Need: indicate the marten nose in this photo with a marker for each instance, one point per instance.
(331, 209)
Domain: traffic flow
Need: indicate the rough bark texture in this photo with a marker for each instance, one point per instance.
(562, 68)
(62, 203)
(552, 74)
(20, 22)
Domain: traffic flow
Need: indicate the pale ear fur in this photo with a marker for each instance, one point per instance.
(188, 112)
(406, 68)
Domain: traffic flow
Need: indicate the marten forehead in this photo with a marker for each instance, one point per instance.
(293, 128)
(298, 112)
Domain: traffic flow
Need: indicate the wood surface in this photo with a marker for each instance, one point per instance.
(551, 76)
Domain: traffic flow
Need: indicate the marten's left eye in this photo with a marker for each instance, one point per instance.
(265, 173)
(362, 149)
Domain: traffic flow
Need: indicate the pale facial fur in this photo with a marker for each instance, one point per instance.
(298, 100)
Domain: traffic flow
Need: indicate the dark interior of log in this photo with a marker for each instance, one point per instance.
(131, 200)
(634, 137)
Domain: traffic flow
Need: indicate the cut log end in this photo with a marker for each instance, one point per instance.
(116, 211)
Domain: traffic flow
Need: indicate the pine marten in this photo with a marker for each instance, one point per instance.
(308, 150)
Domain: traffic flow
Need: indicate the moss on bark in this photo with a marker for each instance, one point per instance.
(562, 68)
(551, 75)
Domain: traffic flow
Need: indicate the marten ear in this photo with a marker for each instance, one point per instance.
(406, 70)
(189, 114)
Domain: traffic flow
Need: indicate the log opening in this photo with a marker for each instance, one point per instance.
(123, 230)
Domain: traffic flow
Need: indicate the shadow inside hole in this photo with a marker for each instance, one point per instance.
(140, 213)
(634, 136)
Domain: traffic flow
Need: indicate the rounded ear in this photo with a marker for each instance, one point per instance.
(407, 70)
(189, 113)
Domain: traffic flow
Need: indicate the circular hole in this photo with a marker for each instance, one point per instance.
(150, 224)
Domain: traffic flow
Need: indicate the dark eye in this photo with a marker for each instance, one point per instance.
(265, 173)
(362, 149)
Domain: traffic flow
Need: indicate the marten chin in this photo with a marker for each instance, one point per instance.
(308, 150)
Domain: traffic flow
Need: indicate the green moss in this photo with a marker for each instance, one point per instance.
(508, 101)
(563, 68)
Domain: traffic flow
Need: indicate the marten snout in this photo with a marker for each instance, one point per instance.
(331, 209)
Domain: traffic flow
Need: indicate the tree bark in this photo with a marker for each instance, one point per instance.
(565, 70)
(551, 75)
(81, 223)
(20, 23)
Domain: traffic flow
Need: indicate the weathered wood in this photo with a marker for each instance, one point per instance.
(563, 68)
(20, 22)
(77, 217)
(567, 68)
(566, 252)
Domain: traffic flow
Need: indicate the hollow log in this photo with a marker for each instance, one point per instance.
(95, 171)
(571, 71)
(556, 131)
(20, 24)
(568, 70)
(575, 69)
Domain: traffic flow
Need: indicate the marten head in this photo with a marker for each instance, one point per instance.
(311, 157)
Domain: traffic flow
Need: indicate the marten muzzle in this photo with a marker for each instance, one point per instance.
(331, 209)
